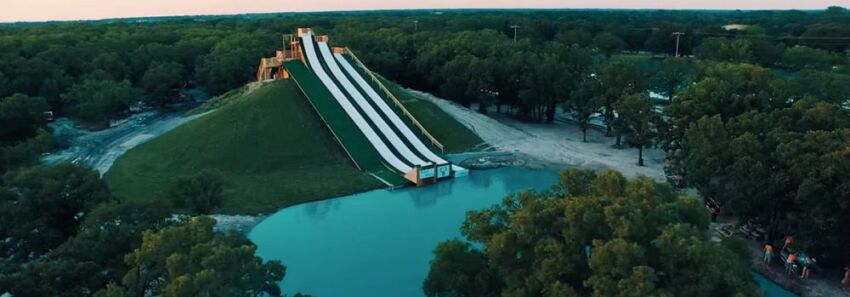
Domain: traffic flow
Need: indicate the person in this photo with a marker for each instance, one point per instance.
(788, 241)
(808, 261)
(768, 254)
(789, 263)
(845, 282)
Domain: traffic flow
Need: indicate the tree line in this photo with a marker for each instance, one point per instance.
(757, 121)
(591, 235)
(65, 235)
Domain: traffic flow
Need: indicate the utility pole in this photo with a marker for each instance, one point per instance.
(515, 27)
(678, 34)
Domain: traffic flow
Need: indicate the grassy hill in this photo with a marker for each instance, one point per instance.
(272, 148)
(270, 145)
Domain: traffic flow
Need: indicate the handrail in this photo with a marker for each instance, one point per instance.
(397, 103)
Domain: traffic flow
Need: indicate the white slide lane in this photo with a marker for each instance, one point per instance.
(374, 139)
(373, 115)
(385, 108)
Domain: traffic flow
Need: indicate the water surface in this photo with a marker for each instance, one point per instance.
(379, 243)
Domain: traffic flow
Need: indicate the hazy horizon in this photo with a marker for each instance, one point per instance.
(64, 10)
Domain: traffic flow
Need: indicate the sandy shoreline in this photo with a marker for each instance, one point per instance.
(556, 143)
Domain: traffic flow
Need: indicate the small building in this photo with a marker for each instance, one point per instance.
(736, 27)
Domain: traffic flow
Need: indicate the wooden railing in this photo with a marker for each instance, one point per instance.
(397, 103)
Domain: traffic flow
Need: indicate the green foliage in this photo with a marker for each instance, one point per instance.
(109, 232)
(44, 277)
(638, 123)
(575, 182)
(583, 102)
(190, 259)
(20, 117)
(461, 270)
(801, 57)
(608, 43)
(110, 63)
(201, 193)
(619, 79)
(90, 259)
(5, 85)
(722, 49)
(611, 237)
(766, 149)
(162, 81)
(54, 201)
(830, 87)
(26, 153)
(672, 75)
(96, 101)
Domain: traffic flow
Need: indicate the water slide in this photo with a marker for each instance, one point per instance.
(388, 112)
(350, 110)
(370, 113)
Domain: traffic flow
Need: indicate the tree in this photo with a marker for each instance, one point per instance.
(5, 85)
(613, 238)
(191, 259)
(725, 50)
(201, 193)
(639, 120)
(608, 43)
(53, 201)
(727, 90)
(672, 74)
(831, 87)
(578, 37)
(539, 93)
(110, 63)
(459, 270)
(109, 232)
(21, 117)
(162, 81)
(801, 57)
(619, 79)
(96, 101)
(582, 103)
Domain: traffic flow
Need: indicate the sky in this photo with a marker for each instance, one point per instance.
(43, 10)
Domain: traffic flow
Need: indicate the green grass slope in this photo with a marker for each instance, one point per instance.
(272, 148)
(452, 134)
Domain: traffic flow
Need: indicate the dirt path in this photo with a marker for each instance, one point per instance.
(100, 149)
(559, 143)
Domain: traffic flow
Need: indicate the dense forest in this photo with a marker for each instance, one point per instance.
(592, 235)
(755, 118)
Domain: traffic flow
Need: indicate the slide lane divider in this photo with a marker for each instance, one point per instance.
(369, 112)
(395, 100)
(395, 128)
(360, 111)
(389, 113)
(374, 139)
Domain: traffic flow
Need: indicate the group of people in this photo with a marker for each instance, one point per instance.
(806, 261)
